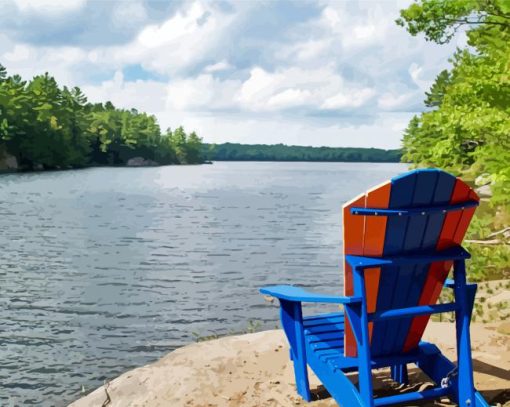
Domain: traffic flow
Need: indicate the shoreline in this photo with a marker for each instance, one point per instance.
(255, 370)
(206, 162)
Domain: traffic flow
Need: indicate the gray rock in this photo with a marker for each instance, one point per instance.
(484, 191)
(483, 179)
(140, 162)
(8, 162)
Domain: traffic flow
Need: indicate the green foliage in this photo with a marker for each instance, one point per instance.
(467, 130)
(281, 152)
(437, 91)
(440, 20)
(44, 125)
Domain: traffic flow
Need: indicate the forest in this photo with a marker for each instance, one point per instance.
(466, 128)
(282, 152)
(45, 126)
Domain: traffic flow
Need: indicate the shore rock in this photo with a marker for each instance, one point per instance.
(484, 191)
(255, 370)
(483, 179)
(8, 162)
(140, 162)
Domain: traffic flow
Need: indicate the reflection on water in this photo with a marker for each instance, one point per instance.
(105, 269)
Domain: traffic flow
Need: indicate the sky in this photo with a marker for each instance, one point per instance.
(333, 73)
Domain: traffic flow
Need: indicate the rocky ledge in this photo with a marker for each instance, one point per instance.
(255, 370)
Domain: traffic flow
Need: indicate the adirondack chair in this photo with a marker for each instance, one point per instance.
(401, 239)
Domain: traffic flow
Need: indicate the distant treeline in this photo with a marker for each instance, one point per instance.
(282, 152)
(46, 126)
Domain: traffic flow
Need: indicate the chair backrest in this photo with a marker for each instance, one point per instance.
(409, 232)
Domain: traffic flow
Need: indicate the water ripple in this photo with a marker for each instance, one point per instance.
(106, 269)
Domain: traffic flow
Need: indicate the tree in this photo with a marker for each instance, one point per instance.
(45, 125)
(468, 129)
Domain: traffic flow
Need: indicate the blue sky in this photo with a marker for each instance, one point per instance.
(337, 73)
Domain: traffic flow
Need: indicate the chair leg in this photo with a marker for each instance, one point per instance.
(359, 321)
(399, 374)
(292, 320)
(466, 388)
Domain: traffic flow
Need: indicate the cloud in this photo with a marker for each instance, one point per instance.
(182, 41)
(203, 93)
(289, 98)
(352, 99)
(329, 65)
(146, 95)
(130, 13)
(393, 101)
(218, 67)
(49, 7)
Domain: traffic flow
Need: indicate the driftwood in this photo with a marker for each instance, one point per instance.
(490, 241)
(499, 232)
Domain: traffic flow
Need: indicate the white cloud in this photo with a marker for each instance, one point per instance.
(289, 98)
(218, 67)
(350, 59)
(349, 99)
(384, 132)
(188, 37)
(49, 7)
(146, 96)
(130, 13)
(20, 53)
(201, 93)
(393, 101)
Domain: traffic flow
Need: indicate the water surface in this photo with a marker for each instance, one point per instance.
(106, 269)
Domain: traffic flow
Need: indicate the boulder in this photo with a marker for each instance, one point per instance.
(484, 191)
(140, 162)
(483, 179)
(8, 162)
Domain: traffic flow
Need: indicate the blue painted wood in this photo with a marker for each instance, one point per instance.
(323, 319)
(466, 395)
(387, 282)
(338, 362)
(420, 211)
(401, 288)
(412, 311)
(410, 242)
(363, 262)
(399, 374)
(415, 396)
(292, 321)
(363, 343)
(411, 278)
(291, 293)
(337, 384)
(432, 189)
(442, 195)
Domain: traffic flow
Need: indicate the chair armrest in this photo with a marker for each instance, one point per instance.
(297, 294)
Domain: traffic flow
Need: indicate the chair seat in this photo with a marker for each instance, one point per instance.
(324, 339)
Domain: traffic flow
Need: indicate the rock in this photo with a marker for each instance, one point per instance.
(225, 372)
(38, 167)
(8, 162)
(140, 162)
(484, 179)
(484, 191)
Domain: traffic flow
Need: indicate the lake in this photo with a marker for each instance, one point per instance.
(106, 269)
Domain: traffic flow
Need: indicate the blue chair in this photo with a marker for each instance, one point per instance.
(401, 239)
